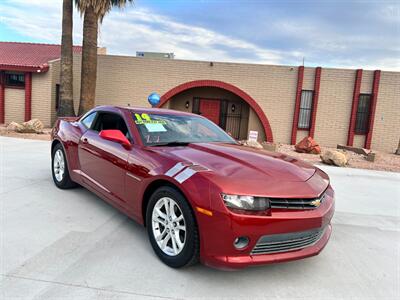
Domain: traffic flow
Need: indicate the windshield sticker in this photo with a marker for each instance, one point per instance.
(144, 119)
(155, 127)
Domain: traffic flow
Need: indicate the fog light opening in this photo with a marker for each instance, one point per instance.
(241, 242)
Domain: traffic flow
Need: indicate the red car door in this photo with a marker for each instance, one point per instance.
(103, 162)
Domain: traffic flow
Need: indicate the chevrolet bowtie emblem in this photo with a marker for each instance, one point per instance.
(316, 202)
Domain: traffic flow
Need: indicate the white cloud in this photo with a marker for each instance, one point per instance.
(139, 29)
(147, 31)
(41, 20)
(387, 64)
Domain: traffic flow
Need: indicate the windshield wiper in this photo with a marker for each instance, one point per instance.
(171, 144)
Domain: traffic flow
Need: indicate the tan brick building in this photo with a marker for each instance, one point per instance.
(282, 103)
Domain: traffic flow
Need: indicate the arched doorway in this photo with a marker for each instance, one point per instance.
(225, 104)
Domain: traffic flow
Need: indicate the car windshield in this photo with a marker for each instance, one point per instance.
(170, 129)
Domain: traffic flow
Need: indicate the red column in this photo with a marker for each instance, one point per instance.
(356, 96)
(2, 99)
(374, 98)
(28, 96)
(317, 82)
(300, 76)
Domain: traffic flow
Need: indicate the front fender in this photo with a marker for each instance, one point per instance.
(195, 189)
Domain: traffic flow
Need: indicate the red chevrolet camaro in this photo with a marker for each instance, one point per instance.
(200, 194)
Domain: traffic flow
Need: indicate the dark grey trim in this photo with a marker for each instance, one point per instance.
(288, 241)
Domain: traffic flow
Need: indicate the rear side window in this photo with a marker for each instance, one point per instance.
(88, 120)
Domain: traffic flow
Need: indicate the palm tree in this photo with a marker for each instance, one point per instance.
(94, 12)
(66, 105)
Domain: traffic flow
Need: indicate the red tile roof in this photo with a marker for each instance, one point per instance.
(29, 56)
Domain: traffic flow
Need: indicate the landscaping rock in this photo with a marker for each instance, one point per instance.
(337, 158)
(371, 157)
(308, 145)
(361, 151)
(14, 126)
(32, 126)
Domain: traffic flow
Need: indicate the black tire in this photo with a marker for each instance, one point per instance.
(189, 254)
(66, 182)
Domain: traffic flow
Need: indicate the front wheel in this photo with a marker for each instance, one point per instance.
(172, 228)
(59, 169)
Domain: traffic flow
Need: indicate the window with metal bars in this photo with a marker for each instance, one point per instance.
(362, 117)
(305, 109)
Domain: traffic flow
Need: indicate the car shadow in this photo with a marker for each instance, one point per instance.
(138, 232)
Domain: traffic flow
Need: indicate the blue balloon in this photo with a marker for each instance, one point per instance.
(154, 99)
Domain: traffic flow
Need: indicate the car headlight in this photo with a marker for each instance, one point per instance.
(246, 202)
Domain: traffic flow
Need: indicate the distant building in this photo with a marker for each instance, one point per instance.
(283, 103)
(155, 55)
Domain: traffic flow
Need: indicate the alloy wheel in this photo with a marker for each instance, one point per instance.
(169, 227)
(59, 165)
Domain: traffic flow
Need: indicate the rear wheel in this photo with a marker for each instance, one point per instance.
(59, 169)
(172, 228)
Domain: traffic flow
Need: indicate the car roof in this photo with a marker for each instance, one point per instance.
(148, 110)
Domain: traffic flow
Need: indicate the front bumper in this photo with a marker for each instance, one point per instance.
(219, 231)
(241, 261)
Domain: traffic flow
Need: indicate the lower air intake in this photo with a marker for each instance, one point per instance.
(287, 242)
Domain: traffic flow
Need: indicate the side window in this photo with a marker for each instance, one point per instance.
(107, 121)
(362, 118)
(15, 79)
(305, 109)
(88, 120)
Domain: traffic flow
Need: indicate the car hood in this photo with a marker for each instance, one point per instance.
(239, 169)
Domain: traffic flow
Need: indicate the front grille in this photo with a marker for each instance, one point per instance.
(296, 203)
(287, 242)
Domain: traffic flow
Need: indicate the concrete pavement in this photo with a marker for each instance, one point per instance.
(70, 244)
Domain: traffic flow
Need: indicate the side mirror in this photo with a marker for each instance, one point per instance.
(115, 136)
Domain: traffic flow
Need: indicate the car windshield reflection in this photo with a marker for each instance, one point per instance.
(178, 130)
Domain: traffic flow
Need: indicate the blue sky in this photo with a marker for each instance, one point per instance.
(350, 34)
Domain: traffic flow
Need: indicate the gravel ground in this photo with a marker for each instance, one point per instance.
(45, 136)
(383, 161)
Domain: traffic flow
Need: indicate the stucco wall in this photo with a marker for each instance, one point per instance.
(386, 132)
(129, 80)
(366, 82)
(255, 125)
(41, 97)
(308, 80)
(334, 106)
